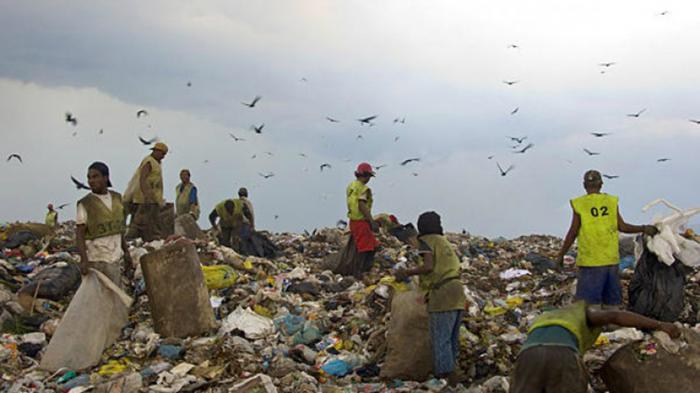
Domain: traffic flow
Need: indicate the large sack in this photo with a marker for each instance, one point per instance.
(186, 226)
(409, 353)
(257, 244)
(177, 296)
(664, 372)
(93, 321)
(348, 262)
(657, 290)
(54, 283)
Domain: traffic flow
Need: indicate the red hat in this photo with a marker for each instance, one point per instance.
(393, 219)
(364, 169)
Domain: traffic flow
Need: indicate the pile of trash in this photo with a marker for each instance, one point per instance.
(286, 324)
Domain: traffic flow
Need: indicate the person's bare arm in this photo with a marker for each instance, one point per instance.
(82, 247)
(143, 182)
(249, 215)
(367, 214)
(600, 318)
(212, 218)
(570, 236)
(624, 227)
(426, 267)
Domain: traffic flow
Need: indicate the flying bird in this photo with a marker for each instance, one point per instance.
(694, 121)
(410, 160)
(332, 120)
(526, 148)
(400, 120)
(510, 83)
(378, 167)
(140, 113)
(148, 142)
(503, 173)
(513, 46)
(303, 155)
(514, 111)
(252, 104)
(518, 140)
(79, 185)
(101, 131)
(323, 166)
(636, 114)
(235, 138)
(60, 207)
(269, 154)
(396, 138)
(359, 136)
(266, 175)
(303, 80)
(253, 156)
(189, 84)
(491, 157)
(71, 119)
(258, 129)
(367, 120)
(607, 65)
(610, 176)
(591, 153)
(600, 134)
(14, 155)
(664, 13)
(663, 159)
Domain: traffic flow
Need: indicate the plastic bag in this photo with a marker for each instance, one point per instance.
(669, 244)
(219, 276)
(253, 325)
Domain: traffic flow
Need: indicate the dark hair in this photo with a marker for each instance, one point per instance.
(102, 168)
(429, 224)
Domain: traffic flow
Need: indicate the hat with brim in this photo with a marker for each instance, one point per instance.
(160, 146)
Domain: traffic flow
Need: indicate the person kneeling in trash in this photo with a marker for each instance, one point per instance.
(101, 225)
(440, 277)
(551, 358)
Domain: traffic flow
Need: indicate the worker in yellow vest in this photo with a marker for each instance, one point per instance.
(595, 224)
(230, 214)
(51, 217)
(550, 360)
(145, 193)
(362, 225)
(101, 224)
(186, 201)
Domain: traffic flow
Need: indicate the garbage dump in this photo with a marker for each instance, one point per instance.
(289, 324)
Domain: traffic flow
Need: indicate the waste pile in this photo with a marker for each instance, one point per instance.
(287, 324)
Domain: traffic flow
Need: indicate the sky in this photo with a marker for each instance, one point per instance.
(438, 64)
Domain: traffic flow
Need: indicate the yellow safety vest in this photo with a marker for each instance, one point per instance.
(598, 243)
(51, 219)
(353, 193)
(101, 221)
(572, 318)
(444, 284)
(154, 179)
(230, 220)
(182, 201)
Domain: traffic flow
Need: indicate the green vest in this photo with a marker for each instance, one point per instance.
(101, 221)
(598, 242)
(154, 179)
(230, 220)
(182, 201)
(353, 193)
(572, 318)
(51, 219)
(444, 284)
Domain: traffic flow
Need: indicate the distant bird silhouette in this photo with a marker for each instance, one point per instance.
(396, 138)
(607, 65)
(503, 173)
(510, 83)
(140, 113)
(253, 156)
(663, 159)
(74, 133)
(323, 166)
(79, 185)
(252, 104)
(303, 155)
(235, 138)
(303, 80)
(332, 120)
(189, 84)
(258, 129)
(400, 120)
(636, 114)
(149, 141)
(359, 136)
(101, 131)
(414, 173)
(276, 216)
(60, 207)
(610, 176)
(367, 120)
(600, 134)
(514, 111)
(71, 119)
(378, 167)
(591, 153)
(266, 175)
(269, 154)
(14, 155)
(664, 13)
(491, 157)
(526, 148)
(410, 160)
(694, 121)
(517, 140)
(513, 46)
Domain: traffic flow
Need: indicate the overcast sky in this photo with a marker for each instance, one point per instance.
(439, 64)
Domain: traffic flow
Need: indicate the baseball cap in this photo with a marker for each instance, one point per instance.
(160, 146)
(364, 169)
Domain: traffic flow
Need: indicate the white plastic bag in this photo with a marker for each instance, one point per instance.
(668, 244)
(253, 325)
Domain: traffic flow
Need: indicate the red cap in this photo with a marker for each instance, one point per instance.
(393, 219)
(364, 169)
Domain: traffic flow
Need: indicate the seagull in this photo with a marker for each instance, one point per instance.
(491, 157)
(510, 83)
(663, 159)
(189, 84)
(148, 142)
(101, 131)
(303, 155)
(235, 138)
(600, 134)
(79, 185)
(408, 161)
(514, 111)
(14, 155)
(607, 65)
(636, 114)
(367, 120)
(252, 104)
(526, 148)
(60, 207)
(359, 136)
(664, 13)
(258, 129)
(70, 119)
(414, 173)
(269, 154)
(332, 120)
(503, 173)
(513, 46)
(518, 140)
(266, 175)
(610, 176)
(591, 153)
(253, 156)
(378, 167)
(325, 166)
(303, 80)
(694, 121)
(396, 138)
(140, 113)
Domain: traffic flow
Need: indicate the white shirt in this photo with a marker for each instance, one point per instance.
(103, 249)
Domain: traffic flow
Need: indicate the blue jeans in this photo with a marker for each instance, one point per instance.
(444, 337)
(599, 285)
